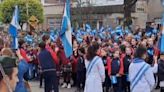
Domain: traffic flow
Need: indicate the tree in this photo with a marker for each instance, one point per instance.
(128, 5)
(82, 14)
(34, 8)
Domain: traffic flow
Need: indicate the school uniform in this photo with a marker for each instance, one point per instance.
(115, 66)
(151, 51)
(141, 76)
(107, 82)
(95, 75)
(74, 69)
(49, 71)
(125, 80)
(160, 74)
(81, 73)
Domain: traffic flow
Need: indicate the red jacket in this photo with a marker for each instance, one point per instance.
(109, 60)
(24, 55)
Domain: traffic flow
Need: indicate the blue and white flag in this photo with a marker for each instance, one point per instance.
(119, 31)
(127, 31)
(161, 40)
(101, 29)
(88, 28)
(29, 39)
(161, 43)
(53, 36)
(14, 26)
(65, 32)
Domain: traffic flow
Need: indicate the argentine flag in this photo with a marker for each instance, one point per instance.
(14, 26)
(65, 32)
(161, 40)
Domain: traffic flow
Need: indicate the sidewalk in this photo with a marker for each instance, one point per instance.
(35, 88)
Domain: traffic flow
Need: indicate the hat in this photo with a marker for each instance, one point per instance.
(8, 62)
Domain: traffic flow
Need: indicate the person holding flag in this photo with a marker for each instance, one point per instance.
(14, 27)
(23, 59)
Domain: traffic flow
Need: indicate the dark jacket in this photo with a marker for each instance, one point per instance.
(46, 60)
(114, 66)
(81, 65)
(126, 61)
(161, 70)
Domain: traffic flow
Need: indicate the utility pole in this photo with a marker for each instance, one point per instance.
(27, 14)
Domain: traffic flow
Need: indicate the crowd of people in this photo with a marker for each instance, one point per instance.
(116, 60)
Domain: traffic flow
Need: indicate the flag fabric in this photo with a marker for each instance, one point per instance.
(118, 31)
(14, 26)
(88, 28)
(65, 33)
(29, 39)
(161, 41)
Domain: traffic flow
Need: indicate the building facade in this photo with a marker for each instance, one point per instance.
(101, 14)
(112, 14)
(155, 10)
(53, 12)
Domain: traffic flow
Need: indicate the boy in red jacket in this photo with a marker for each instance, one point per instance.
(115, 70)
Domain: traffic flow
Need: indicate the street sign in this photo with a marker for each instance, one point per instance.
(33, 21)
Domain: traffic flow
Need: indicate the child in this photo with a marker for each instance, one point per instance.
(115, 70)
(161, 72)
(126, 62)
(74, 60)
(81, 70)
(107, 82)
(67, 69)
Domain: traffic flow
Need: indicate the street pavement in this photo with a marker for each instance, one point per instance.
(35, 88)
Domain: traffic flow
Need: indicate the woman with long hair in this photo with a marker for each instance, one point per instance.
(95, 74)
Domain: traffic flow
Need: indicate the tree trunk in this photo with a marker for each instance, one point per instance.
(128, 4)
(127, 16)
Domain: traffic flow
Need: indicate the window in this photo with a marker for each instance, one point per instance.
(50, 1)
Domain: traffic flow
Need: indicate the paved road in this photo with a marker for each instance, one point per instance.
(35, 88)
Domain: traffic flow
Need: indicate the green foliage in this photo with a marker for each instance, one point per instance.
(34, 8)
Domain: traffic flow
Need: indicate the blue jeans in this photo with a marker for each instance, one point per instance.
(22, 69)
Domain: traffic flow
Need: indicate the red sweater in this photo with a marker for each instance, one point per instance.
(156, 51)
(121, 70)
(24, 55)
(74, 64)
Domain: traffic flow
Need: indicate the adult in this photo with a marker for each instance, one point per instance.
(95, 70)
(8, 74)
(140, 73)
(23, 66)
